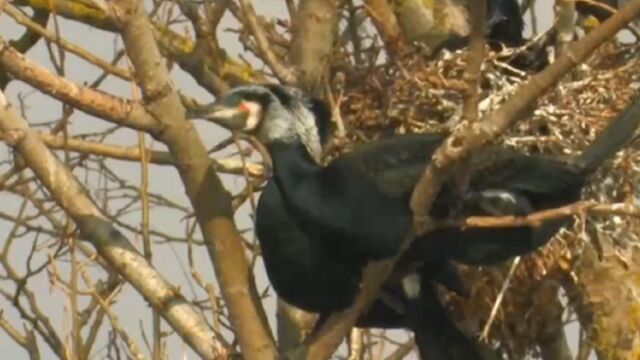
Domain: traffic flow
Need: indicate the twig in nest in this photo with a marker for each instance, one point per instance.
(496, 305)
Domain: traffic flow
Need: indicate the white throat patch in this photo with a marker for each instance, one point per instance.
(292, 123)
(254, 115)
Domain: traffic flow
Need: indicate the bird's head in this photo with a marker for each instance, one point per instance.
(273, 114)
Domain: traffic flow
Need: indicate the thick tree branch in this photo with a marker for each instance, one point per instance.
(385, 21)
(314, 32)
(83, 11)
(208, 196)
(206, 50)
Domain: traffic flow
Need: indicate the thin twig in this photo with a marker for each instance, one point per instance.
(132, 153)
(539, 217)
(267, 55)
(22, 19)
(496, 304)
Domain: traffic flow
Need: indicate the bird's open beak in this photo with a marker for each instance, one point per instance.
(231, 118)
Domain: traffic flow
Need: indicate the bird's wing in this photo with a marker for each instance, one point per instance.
(303, 268)
(523, 173)
(394, 165)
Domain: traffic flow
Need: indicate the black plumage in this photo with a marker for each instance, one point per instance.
(347, 202)
(504, 22)
(302, 268)
(311, 273)
(505, 25)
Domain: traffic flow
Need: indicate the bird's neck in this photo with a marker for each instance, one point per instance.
(292, 164)
(297, 177)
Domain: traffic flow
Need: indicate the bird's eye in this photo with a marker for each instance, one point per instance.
(233, 100)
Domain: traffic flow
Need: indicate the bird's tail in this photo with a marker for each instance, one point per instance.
(621, 130)
(436, 336)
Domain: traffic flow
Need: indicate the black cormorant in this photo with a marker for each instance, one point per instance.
(359, 204)
(505, 24)
(356, 209)
(311, 273)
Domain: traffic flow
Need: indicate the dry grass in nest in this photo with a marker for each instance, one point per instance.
(417, 96)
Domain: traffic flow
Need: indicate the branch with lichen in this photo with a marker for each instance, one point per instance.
(177, 47)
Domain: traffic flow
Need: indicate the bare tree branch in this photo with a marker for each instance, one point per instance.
(385, 21)
(279, 69)
(74, 49)
(314, 33)
(539, 217)
(107, 240)
(94, 102)
(132, 153)
(208, 197)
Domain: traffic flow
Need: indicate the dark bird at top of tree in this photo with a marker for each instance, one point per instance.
(504, 27)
